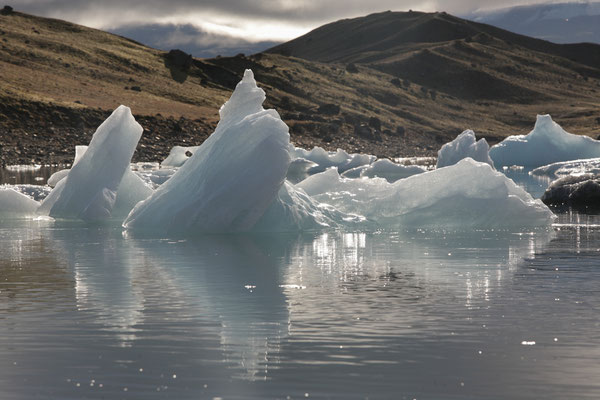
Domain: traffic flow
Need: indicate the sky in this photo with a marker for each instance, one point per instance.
(250, 21)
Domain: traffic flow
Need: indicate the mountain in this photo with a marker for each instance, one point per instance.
(558, 22)
(390, 84)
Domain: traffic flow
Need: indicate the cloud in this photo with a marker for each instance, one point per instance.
(251, 20)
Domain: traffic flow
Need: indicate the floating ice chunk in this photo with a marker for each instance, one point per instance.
(385, 168)
(466, 194)
(132, 188)
(89, 190)
(325, 159)
(465, 145)
(293, 210)
(547, 143)
(233, 177)
(178, 156)
(15, 204)
(575, 167)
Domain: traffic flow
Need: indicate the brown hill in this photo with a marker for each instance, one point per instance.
(392, 84)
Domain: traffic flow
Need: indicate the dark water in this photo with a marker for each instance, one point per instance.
(91, 312)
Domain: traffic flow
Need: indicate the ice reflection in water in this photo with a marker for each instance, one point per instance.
(334, 314)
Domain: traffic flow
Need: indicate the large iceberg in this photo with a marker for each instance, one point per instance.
(89, 190)
(233, 177)
(465, 145)
(547, 143)
(466, 194)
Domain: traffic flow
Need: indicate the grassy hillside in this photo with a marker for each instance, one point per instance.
(398, 88)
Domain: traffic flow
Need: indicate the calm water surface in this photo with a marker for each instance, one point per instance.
(90, 312)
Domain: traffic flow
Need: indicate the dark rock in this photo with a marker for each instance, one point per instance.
(375, 123)
(396, 82)
(363, 130)
(400, 131)
(136, 88)
(581, 192)
(7, 10)
(351, 68)
(188, 153)
(329, 109)
(179, 59)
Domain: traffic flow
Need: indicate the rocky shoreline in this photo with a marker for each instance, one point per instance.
(38, 133)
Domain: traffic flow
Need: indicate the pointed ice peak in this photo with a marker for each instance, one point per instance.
(544, 121)
(247, 98)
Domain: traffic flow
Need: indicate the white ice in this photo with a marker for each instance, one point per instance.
(178, 156)
(293, 210)
(326, 159)
(466, 194)
(233, 177)
(465, 145)
(89, 190)
(547, 143)
(16, 204)
(575, 167)
(385, 168)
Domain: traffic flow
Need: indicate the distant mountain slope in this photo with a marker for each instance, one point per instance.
(558, 23)
(390, 84)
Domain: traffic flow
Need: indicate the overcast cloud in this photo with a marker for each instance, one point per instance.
(257, 20)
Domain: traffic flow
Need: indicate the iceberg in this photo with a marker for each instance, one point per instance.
(326, 159)
(465, 145)
(385, 168)
(547, 143)
(575, 167)
(293, 210)
(467, 194)
(233, 177)
(16, 204)
(131, 190)
(89, 190)
(178, 156)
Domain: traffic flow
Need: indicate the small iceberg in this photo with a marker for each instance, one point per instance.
(547, 143)
(15, 204)
(465, 145)
(564, 168)
(89, 190)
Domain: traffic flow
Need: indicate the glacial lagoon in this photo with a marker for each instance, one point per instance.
(93, 311)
